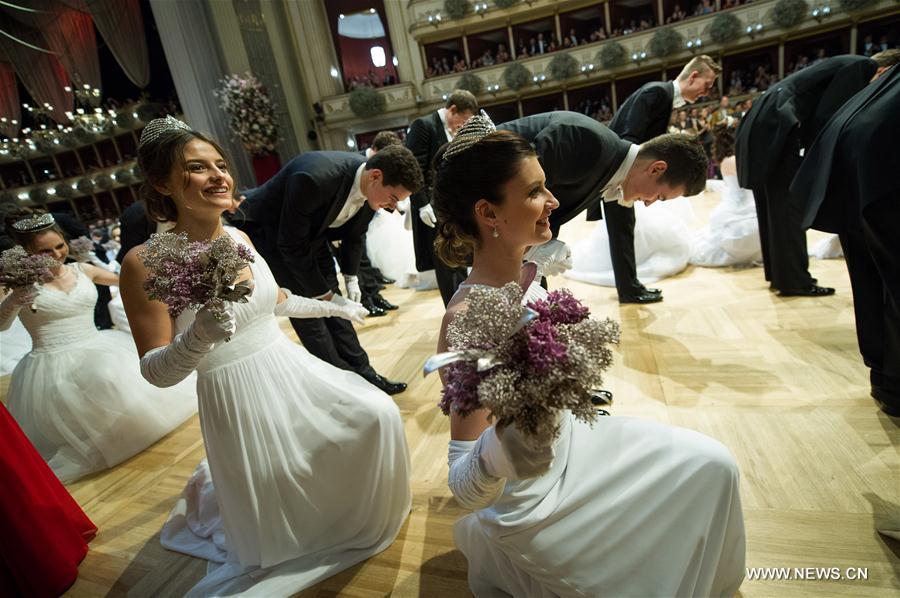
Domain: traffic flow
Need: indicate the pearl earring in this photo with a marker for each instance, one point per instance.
(495, 234)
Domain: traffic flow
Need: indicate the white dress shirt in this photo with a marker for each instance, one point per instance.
(613, 190)
(677, 99)
(442, 112)
(354, 202)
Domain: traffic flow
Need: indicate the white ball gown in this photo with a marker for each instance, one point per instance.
(308, 467)
(15, 343)
(827, 248)
(389, 245)
(732, 236)
(79, 395)
(661, 245)
(628, 508)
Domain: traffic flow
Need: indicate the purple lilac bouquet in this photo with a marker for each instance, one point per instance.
(81, 249)
(525, 364)
(19, 269)
(195, 275)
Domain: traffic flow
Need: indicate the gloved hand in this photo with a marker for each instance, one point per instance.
(552, 258)
(169, 365)
(426, 215)
(15, 301)
(507, 454)
(353, 292)
(302, 307)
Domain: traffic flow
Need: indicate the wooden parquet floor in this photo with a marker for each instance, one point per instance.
(779, 381)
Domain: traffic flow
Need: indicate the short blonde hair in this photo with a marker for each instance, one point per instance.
(701, 64)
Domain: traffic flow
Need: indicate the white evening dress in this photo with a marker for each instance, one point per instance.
(79, 394)
(629, 507)
(732, 236)
(389, 245)
(307, 469)
(661, 245)
(828, 248)
(15, 343)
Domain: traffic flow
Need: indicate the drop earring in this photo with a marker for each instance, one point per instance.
(495, 234)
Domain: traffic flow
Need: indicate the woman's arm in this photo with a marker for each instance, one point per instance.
(149, 320)
(100, 275)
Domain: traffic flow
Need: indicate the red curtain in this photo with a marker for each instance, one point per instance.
(9, 101)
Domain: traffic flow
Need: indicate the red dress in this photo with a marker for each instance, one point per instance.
(44, 532)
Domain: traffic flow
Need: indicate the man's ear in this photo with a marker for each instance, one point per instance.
(658, 167)
(375, 174)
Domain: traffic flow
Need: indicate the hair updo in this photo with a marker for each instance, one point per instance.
(723, 143)
(156, 159)
(24, 238)
(479, 172)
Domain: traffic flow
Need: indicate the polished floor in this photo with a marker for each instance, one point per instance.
(778, 380)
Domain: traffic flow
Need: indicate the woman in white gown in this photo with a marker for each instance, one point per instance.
(389, 245)
(308, 469)
(732, 236)
(624, 508)
(78, 394)
(661, 245)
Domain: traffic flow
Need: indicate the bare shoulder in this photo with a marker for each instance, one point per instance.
(133, 263)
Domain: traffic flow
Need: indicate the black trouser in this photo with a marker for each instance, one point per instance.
(330, 339)
(620, 230)
(102, 319)
(873, 260)
(448, 278)
(781, 234)
(368, 277)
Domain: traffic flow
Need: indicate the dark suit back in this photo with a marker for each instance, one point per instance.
(578, 155)
(801, 104)
(854, 161)
(425, 137)
(646, 113)
(135, 227)
(296, 206)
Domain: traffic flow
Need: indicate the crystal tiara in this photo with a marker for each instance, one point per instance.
(474, 130)
(34, 223)
(158, 126)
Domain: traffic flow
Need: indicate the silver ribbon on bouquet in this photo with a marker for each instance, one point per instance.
(484, 359)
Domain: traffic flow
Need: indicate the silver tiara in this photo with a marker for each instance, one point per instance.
(474, 130)
(34, 223)
(158, 126)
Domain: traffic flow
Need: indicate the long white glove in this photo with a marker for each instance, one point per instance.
(478, 469)
(301, 307)
(169, 365)
(426, 215)
(552, 258)
(14, 302)
(353, 292)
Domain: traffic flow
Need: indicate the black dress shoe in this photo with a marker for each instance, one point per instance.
(887, 400)
(379, 301)
(388, 386)
(643, 297)
(651, 291)
(601, 397)
(381, 278)
(374, 310)
(812, 290)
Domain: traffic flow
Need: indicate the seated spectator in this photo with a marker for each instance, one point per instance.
(868, 46)
(820, 56)
(704, 8)
(572, 37)
(677, 15)
(502, 54)
(487, 59)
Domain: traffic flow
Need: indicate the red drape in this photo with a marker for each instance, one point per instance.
(9, 101)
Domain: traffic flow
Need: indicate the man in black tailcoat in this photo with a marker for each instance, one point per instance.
(425, 136)
(643, 116)
(769, 148)
(586, 163)
(848, 185)
(316, 199)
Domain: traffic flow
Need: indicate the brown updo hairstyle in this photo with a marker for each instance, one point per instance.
(157, 158)
(479, 172)
(723, 143)
(22, 238)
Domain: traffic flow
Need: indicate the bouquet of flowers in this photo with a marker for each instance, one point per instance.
(251, 112)
(81, 249)
(195, 275)
(19, 269)
(525, 364)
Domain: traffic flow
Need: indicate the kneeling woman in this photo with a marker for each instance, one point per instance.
(78, 394)
(624, 508)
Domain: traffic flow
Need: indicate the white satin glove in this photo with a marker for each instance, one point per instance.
(552, 258)
(14, 302)
(472, 486)
(302, 307)
(169, 365)
(426, 215)
(353, 292)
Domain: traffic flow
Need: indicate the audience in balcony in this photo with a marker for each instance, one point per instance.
(600, 109)
(704, 7)
(870, 47)
(372, 79)
(677, 15)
